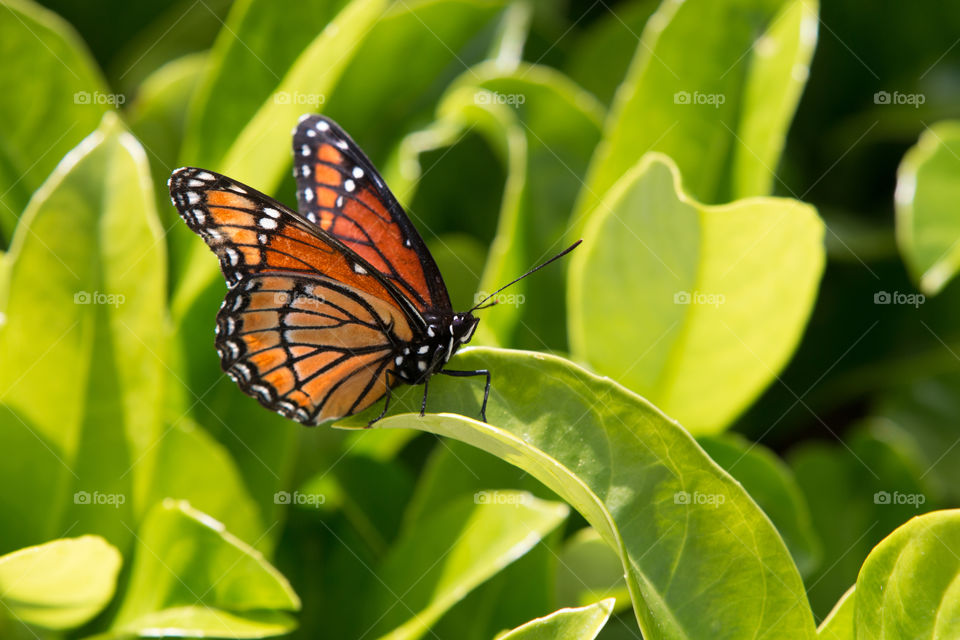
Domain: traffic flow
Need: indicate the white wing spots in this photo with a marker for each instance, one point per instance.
(250, 285)
(232, 256)
(192, 197)
(237, 303)
(204, 175)
(308, 195)
(323, 125)
(357, 173)
(406, 351)
(216, 330)
(237, 189)
(232, 346)
(302, 415)
(422, 350)
(358, 269)
(243, 370)
(311, 133)
(305, 150)
(267, 223)
(262, 238)
(305, 169)
(349, 185)
(273, 213)
(312, 217)
(341, 145)
(339, 202)
(421, 365)
(231, 325)
(262, 391)
(431, 331)
(406, 243)
(398, 360)
(193, 182)
(214, 235)
(198, 216)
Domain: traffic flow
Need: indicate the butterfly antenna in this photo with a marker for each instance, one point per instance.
(480, 304)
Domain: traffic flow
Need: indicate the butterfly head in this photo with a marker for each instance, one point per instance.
(462, 326)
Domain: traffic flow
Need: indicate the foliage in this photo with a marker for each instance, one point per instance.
(756, 426)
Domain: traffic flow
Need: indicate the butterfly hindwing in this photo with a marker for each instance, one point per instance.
(339, 189)
(310, 348)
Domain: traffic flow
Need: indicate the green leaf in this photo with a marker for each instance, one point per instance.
(928, 227)
(192, 577)
(721, 108)
(770, 482)
(61, 584)
(52, 95)
(701, 559)
(583, 623)
(589, 569)
(703, 276)
(907, 587)
(85, 326)
(838, 625)
(443, 557)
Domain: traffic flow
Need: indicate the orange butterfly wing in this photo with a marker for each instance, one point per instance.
(339, 189)
(309, 348)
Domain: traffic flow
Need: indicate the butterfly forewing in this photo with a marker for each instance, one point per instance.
(339, 190)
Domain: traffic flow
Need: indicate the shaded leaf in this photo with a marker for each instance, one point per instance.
(583, 623)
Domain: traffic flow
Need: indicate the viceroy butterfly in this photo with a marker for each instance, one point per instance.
(330, 307)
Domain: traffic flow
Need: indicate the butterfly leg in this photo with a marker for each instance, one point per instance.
(486, 389)
(386, 405)
(423, 405)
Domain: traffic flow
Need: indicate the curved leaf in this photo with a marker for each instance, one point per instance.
(701, 559)
(838, 625)
(583, 623)
(444, 556)
(686, 284)
(61, 584)
(86, 326)
(721, 108)
(928, 227)
(192, 576)
(908, 585)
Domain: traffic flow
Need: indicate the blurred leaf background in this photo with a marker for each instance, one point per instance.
(766, 190)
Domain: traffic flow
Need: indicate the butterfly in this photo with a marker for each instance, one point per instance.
(330, 307)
